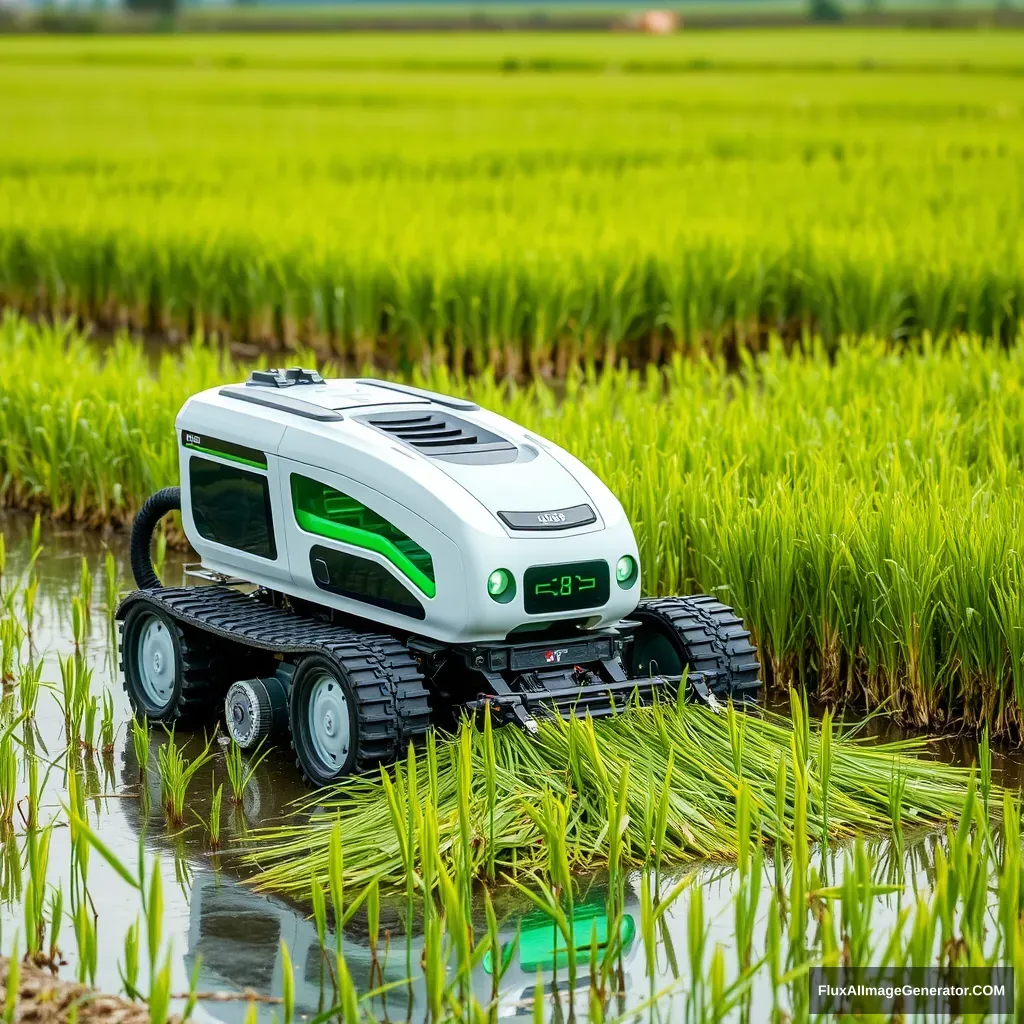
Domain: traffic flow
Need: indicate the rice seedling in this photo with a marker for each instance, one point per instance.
(28, 687)
(56, 921)
(77, 702)
(107, 728)
(241, 771)
(78, 622)
(213, 824)
(128, 968)
(85, 586)
(287, 986)
(160, 994)
(176, 774)
(34, 905)
(28, 603)
(11, 636)
(140, 744)
(35, 788)
(112, 584)
(8, 782)
(88, 736)
(35, 544)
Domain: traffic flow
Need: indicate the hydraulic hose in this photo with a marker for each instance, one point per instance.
(153, 510)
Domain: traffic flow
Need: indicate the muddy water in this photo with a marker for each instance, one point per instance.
(212, 918)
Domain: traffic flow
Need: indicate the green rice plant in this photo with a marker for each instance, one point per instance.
(140, 745)
(749, 863)
(10, 867)
(28, 687)
(28, 602)
(8, 778)
(112, 584)
(107, 728)
(33, 796)
(897, 788)
(35, 543)
(825, 771)
(79, 705)
(159, 998)
(78, 622)
(11, 636)
(34, 905)
(242, 771)
(287, 985)
(87, 943)
(85, 586)
(56, 921)
(213, 825)
(129, 968)
(90, 711)
(319, 910)
(3, 561)
(176, 774)
(985, 767)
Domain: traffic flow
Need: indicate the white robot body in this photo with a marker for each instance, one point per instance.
(399, 505)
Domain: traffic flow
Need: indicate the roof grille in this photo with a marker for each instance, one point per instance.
(441, 435)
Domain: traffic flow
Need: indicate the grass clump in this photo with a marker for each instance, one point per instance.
(660, 782)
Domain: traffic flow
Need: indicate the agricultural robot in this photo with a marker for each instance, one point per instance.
(377, 558)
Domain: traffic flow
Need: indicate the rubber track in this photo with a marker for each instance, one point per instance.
(391, 699)
(717, 642)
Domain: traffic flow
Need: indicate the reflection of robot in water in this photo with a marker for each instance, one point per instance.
(236, 933)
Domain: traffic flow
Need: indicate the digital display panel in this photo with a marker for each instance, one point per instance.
(559, 588)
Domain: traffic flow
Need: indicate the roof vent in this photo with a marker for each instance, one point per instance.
(284, 378)
(441, 435)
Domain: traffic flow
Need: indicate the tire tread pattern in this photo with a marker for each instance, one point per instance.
(717, 643)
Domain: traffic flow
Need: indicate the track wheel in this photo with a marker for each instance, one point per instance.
(324, 720)
(697, 633)
(169, 673)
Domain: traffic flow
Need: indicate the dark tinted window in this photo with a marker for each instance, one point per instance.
(362, 580)
(231, 506)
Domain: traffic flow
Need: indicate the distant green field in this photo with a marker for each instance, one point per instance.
(520, 200)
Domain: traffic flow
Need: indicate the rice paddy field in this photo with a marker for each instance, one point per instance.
(700, 865)
(523, 202)
(767, 284)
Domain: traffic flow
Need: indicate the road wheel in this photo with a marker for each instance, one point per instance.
(169, 673)
(324, 722)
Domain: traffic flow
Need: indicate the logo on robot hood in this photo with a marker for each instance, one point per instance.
(555, 656)
(550, 517)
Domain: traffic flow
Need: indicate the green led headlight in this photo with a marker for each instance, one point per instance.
(625, 571)
(501, 586)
